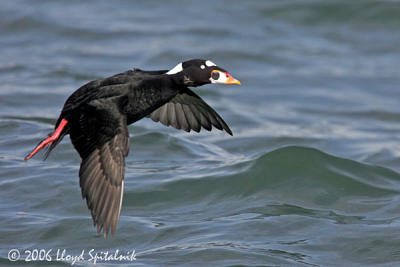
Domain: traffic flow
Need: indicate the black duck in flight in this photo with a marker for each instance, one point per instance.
(96, 117)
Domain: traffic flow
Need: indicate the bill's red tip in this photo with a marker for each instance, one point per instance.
(47, 141)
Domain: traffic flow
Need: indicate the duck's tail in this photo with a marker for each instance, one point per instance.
(53, 139)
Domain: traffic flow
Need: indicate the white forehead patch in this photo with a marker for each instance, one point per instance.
(176, 69)
(210, 63)
(202, 67)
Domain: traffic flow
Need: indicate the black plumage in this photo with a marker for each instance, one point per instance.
(96, 117)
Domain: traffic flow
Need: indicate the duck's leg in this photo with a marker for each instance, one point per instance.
(48, 140)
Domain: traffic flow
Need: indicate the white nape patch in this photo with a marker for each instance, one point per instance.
(176, 69)
(202, 67)
(210, 63)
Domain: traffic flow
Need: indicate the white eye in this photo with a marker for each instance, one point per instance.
(202, 67)
(218, 77)
(210, 63)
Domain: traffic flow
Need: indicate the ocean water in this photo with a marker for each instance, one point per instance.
(311, 176)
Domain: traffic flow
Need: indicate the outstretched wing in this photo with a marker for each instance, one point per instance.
(188, 111)
(101, 137)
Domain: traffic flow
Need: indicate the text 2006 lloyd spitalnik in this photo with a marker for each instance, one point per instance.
(94, 256)
(91, 255)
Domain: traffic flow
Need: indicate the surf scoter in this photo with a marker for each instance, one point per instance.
(96, 117)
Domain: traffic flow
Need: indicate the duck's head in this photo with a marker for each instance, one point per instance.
(196, 72)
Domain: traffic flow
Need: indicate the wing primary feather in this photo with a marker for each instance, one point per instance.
(191, 118)
(164, 115)
(224, 125)
(118, 212)
(181, 117)
(98, 191)
(112, 208)
(105, 209)
(213, 118)
(88, 171)
(172, 119)
(204, 120)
